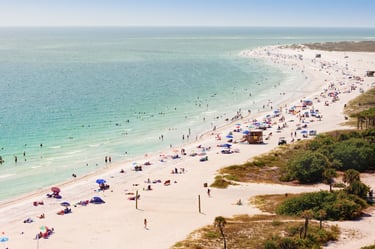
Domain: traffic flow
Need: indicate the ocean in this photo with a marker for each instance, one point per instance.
(71, 96)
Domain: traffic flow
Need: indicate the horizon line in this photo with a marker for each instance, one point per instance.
(176, 26)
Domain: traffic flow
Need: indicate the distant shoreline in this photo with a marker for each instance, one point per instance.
(344, 46)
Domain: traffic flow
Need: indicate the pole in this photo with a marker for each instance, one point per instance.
(136, 199)
(199, 203)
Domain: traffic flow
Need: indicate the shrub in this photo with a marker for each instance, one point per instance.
(354, 153)
(308, 167)
(358, 188)
(337, 205)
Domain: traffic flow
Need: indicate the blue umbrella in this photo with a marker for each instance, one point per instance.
(4, 239)
(229, 136)
(227, 145)
(304, 132)
(65, 204)
(245, 132)
(97, 200)
(100, 181)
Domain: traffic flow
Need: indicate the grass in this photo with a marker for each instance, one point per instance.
(363, 46)
(251, 232)
(221, 182)
(269, 203)
(270, 167)
(369, 247)
(361, 103)
(267, 168)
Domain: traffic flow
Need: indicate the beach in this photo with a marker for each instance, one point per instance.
(172, 210)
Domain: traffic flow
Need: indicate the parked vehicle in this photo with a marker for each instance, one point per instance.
(282, 141)
(312, 133)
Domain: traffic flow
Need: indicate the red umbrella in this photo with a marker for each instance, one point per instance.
(55, 189)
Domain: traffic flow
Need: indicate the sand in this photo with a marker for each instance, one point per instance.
(172, 211)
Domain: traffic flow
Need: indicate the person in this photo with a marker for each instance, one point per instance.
(145, 223)
(209, 192)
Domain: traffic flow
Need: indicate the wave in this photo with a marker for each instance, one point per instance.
(6, 176)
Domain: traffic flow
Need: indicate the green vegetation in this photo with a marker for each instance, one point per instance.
(362, 103)
(310, 161)
(361, 46)
(263, 231)
(337, 205)
(265, 168)
(221, 182)
(368, 247)
(307, 167)
(362, 110)
(337, 150)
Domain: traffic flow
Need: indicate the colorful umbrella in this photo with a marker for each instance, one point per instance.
(43, 228)
(55, 189)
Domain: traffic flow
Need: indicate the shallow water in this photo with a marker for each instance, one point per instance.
(71, 96)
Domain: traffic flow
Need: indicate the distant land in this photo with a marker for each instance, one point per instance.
(350, 46)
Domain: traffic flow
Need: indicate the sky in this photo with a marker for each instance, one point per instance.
(258, 13)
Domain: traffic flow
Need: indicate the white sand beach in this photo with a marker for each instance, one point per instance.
(172, 211)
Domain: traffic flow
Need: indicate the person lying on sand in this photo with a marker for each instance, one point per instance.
(28, 220)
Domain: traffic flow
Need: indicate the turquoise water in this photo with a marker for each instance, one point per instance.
(84, 93)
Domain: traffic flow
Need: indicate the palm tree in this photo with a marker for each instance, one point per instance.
(307, 214)
(350, 176)
(322, 214)
(328, 175)
(220, 222)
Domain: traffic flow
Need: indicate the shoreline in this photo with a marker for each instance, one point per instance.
(165, 207)
(127, 161)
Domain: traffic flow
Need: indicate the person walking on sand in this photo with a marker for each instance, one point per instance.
(145, 223)
(209, 192)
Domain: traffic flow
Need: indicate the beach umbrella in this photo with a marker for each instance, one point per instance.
(65, 204)
(100, 181)
(227, 145)
(4, 239)
(246, 132)
(304, 132)
(43, 228)
(55, 189)
(229, 136)
(97, 200)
